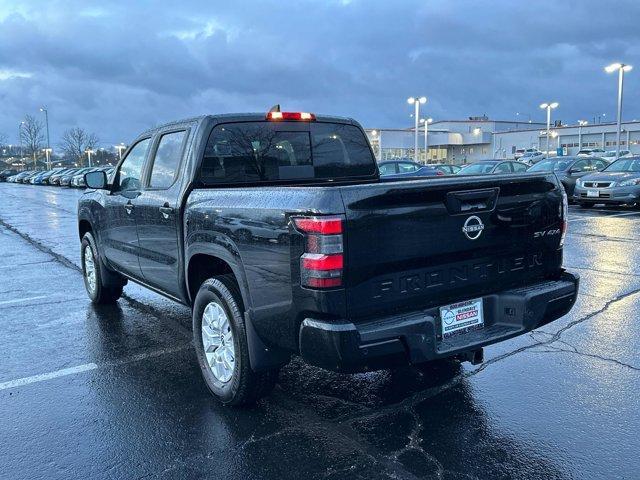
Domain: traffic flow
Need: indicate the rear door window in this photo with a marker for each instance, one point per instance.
(503, 168)
(167, 159)
(388, 169)
(519, 167)
(406, 167)
(249, 152)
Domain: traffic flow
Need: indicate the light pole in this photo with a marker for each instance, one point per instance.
(47, 153)
(120, 148)
(416, 101)
(581, 123)
(621, 68)
(46, 121)
(548, 106)
(426, 123)
(88, 151)
(20, 139)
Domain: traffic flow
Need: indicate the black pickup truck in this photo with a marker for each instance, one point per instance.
(280, 234)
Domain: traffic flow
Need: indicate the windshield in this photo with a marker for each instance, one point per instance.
(624, 165)
(551, 166)
(476, 168)
(266, 151)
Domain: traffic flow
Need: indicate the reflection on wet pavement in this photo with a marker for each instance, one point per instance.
(559, 403)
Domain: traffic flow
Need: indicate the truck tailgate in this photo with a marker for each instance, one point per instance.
(416, 244)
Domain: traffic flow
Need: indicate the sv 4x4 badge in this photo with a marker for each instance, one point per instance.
(546, 233)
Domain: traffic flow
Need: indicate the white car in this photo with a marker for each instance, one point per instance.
(532, 157)
(523, 151)
(610, 155)
(591, 152)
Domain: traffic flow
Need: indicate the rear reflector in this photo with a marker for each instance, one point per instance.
(315, 261)
(297, 116)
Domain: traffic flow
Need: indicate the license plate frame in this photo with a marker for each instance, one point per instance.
(461, 317)
(593, 193)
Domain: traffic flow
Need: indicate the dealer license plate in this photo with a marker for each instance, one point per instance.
(467, 315)
(593, 193)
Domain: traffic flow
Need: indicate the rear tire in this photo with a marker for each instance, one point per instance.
(99, 292)
(224, 362)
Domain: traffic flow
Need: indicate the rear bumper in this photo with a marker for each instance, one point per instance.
(414, 337)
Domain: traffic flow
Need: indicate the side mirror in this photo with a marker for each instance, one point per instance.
(97, 180)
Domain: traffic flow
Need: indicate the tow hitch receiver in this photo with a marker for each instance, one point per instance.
(475, 357)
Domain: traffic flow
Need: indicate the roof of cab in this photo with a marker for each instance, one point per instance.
(238, 117)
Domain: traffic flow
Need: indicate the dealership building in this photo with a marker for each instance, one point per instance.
(478, 138)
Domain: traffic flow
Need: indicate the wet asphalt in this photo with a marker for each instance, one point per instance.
(115, 392)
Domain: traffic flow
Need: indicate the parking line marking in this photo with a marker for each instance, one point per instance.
(20, 300)
(19, 382)
(589, 217)
(47, 376)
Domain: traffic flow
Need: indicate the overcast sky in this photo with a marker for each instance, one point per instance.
(116, 68)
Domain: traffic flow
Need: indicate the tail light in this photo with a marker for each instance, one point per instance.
(322, 263)
(297, 116)
(564, 214)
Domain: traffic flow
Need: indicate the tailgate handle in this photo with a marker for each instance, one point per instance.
(472, 200)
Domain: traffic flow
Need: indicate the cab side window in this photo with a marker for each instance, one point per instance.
(128, 178)
(167, 159)
(519, 167)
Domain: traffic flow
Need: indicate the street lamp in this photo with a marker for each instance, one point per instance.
(548, 106)
(46, 120)
(47, 153)
(621, 68)
(88, 151)
(416, 101)
(120, 148)
(581, 123)
(426, 123)
(20, 139)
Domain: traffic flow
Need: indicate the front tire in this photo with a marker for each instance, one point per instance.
(220, 340)
(92, 266)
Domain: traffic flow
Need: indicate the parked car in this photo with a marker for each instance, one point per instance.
(520, 152)
(17, 176)
(55, 178)
(591, 152)
(43, 179)
(430, 270)
(610, 155)
(27, 177)
(570, 169)
(486, 167)
(77, 181)
(5, 174)
(446, 168)
(65, 179)
(405, 167)
(532, 158)
(617, 184)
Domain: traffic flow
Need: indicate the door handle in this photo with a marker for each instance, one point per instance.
(129, 208)
(166, 211)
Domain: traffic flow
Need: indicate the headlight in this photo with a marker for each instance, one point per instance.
(629, 183)
(579, 183)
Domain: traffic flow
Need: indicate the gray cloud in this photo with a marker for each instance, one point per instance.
(118, 67)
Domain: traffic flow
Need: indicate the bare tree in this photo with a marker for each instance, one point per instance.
(76, 141)
(32, 136)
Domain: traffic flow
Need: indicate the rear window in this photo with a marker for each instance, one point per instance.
(270, 152)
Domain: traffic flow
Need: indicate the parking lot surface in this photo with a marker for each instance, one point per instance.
(115, 392)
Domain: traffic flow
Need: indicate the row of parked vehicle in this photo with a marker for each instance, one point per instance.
(64, 177)
(588, 180)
